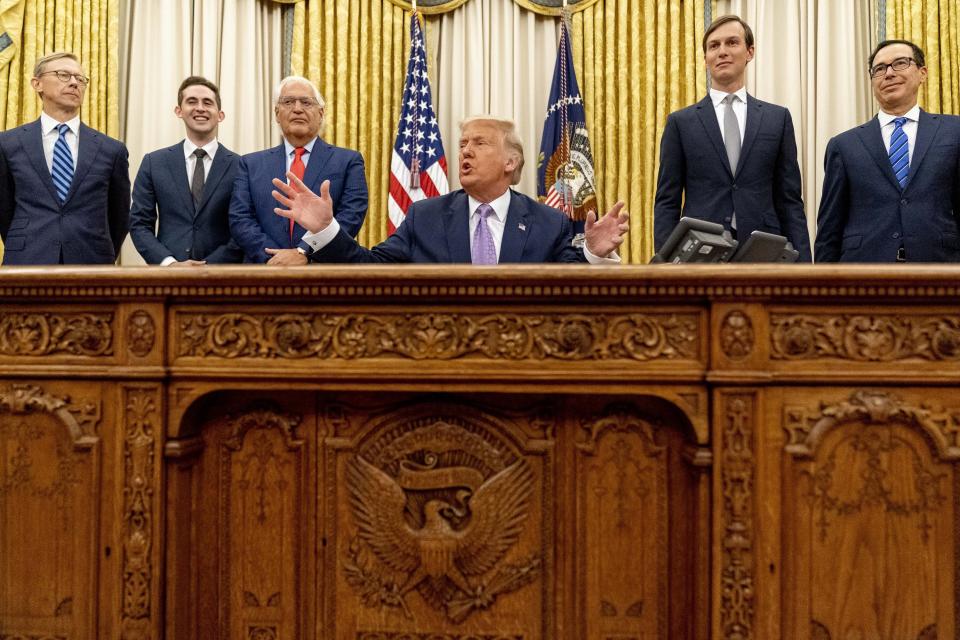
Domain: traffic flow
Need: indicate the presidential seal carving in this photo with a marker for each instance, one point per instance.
(437, 510)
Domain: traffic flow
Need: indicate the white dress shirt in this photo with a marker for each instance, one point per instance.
(739, 109)
(909, 127)
(48, 126)
(190, 160)
(496, 223)
(306, 155)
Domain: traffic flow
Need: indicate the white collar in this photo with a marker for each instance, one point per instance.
(48, 122)
(211, 148)
(717, 96)
(289, 148)
(885, 118)
(500, 204)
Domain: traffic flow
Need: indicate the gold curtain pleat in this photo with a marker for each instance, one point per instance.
(356, 53)
(88, 28)
(636, 61)
(934, 25)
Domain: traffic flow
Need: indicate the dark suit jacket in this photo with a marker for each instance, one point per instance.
(89, 227)
(255, 226)
(437, 230)
(695, 171)
(186, 231)
(865, 217)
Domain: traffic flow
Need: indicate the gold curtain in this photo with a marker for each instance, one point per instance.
(935, 26)
(636, 61)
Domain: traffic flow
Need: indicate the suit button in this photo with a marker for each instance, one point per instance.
(727, 219)
(734, 187)
(904, 201)
(896, 234)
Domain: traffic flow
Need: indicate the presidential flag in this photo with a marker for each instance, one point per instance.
(11, 24)
(418, 168)
(565, 178)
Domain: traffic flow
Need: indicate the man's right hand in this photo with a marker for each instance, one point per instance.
(303, 206)
(188, 263)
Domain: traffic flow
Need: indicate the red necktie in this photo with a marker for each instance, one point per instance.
(297, 168)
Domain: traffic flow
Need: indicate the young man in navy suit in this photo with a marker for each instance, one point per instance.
(265, 236)
(891, 189)
(64, 188)
(730, 158)
(485, 222)
(189, 186)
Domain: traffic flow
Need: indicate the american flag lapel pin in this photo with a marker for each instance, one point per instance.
(522, 227)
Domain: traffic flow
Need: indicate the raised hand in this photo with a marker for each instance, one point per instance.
(605, 235)
(311, 211)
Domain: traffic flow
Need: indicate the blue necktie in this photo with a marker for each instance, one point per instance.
(62, 171)
(900, 152)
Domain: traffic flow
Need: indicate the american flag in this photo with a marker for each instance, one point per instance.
(418, 168)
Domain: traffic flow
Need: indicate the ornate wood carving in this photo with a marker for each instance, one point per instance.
(737, 479)
(405, 635)
(865, 338)
(819, 631)
(141, 333)
(56, 333)
(736, 335)
(438, 506)
(439, 336)
(31, 636)
(139, 510)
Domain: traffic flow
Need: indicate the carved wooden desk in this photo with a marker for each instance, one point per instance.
(480, 453)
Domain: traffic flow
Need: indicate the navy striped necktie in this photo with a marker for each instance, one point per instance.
(62, 170)
(900, 152)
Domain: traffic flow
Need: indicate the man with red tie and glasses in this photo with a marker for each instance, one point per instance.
(265, 236)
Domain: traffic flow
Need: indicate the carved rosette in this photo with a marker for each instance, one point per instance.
(139, 461)
(865, 338)
(141, 333)
(440, 336)
(737, 565)
(736, 335)
(60, 333)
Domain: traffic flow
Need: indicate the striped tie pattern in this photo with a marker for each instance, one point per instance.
(62, 171)
(900, 152)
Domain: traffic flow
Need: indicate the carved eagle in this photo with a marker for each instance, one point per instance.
(497, 511)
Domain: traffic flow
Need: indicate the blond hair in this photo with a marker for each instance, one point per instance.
(511, 139)
(52, 57)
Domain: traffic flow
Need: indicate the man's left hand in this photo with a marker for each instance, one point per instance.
(605, 235)
(286, 257)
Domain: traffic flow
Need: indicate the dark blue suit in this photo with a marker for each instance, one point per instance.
(695, 171)
(437, 230)
(186, 231)
(865, 216)
(89, 227)
(255, 226)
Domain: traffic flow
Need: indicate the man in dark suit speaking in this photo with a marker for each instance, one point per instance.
(730, 158)
(485, 222)
(189, 184)
(891, 189)
(64, 188)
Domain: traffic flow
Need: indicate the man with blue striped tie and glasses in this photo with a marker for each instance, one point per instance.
(64, 188)
(891, 189)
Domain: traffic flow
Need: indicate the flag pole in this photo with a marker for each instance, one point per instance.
(415, 161)
(563, 174)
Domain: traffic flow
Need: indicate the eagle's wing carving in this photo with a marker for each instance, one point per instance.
(498, 510)
(377, 502)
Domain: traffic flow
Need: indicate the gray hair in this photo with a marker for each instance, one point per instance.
(51, 57)
(290, 80)
(511, 139)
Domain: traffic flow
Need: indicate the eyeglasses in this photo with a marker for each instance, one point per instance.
(65, 76)
(289, 101)
(899, 64)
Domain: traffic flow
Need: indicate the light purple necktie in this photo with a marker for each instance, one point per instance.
(483, 250)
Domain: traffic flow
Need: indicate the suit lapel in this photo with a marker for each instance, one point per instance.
(754, 118)
(319, 156)
(278, 169)
(217, 170)
(90, 141)
(515, 231)
(708, 118)
(456, 226)
(872, 140)
(31, 139)
(177, 167)
(926, 133)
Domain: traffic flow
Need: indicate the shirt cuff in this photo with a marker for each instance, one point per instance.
(322, 238)
(167, 261)
(613, 258)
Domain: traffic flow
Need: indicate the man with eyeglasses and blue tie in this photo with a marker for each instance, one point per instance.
(891, 189)
(64, 187)
(266, 237)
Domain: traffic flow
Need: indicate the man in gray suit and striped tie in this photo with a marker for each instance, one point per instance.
(64, 188)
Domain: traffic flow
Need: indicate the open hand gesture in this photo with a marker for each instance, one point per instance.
(605, 235)
(311, 211)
